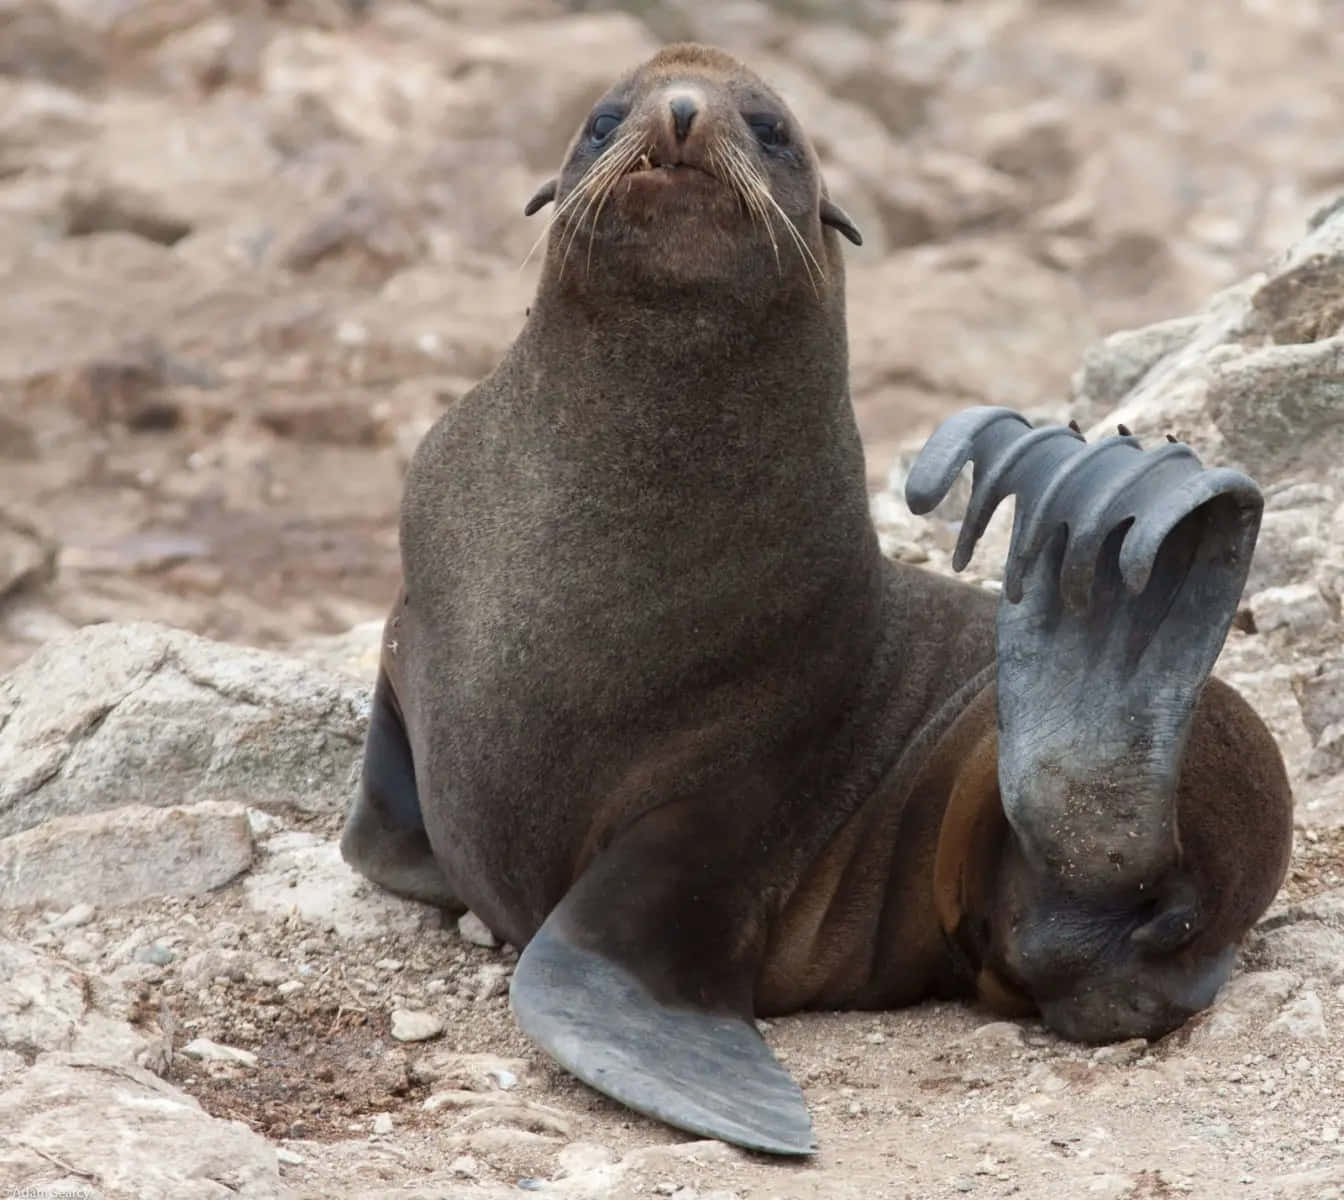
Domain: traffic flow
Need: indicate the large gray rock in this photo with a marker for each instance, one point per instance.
(140, 714)
(125, 854)
(1257, 378)
(79, 1126)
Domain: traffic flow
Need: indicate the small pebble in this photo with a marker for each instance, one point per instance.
(288, 1158)
(289, 987)
(492, 980)
(208, 1051)
(79, 949)
(1121, 1054)
(389, 964)
(1004, 1034)
(79, 914)
(160, 956)
(464, 1166)
(382, 1123)
(411, 1026)
(473, 930)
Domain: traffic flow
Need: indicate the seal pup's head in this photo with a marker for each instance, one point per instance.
(692, 171)
(1105, 967)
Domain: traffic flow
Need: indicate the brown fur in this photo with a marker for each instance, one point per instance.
(649, 656)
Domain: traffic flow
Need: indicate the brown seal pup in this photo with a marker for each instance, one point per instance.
(655, 707)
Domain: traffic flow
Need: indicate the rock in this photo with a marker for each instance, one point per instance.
(71, 1111)
(155, 955)
(1315, 950)
(1321, 695)
(474, 930)
(1121, 1054)
(1299, 609)
(78, 914)
(1245, 1003)
(492, 980)
(451, 1069)
(126, 854)
(1281, 408)
(304, 876)
(382, 1124)
(464, 1167)
(1303, 1017)
(37, 41)
(205, 1050)
(1117, 364)
(1003, 1035)
(579, 1157)
(108, 208)
(27, 557)
(46, 1006)
(41, 1000)
(409, 1026)
(141, 714)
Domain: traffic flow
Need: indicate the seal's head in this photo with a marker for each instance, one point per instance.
(693, 171)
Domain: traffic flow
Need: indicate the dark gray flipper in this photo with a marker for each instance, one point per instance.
(707, 1073)
(1122, 579)
(384, 836)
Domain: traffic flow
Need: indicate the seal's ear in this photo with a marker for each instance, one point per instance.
(545, 194)
(836, 217)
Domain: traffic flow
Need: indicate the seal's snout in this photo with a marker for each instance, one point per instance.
(684, 110)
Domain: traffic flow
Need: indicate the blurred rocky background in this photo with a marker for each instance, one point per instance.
(249, 249)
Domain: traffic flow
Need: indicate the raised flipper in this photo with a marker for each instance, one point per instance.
(384, 836)
(631, 996)
(1123, 576)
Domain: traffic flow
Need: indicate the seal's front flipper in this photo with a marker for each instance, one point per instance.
(1124, 574)
(707, 1073)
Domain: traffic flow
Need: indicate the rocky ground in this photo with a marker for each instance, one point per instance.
(248, 250)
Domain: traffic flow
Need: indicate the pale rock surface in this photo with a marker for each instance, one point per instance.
(125, 853)
(73, 1121)
(304, 876)
(141, 714)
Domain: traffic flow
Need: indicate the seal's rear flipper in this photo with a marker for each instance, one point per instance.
(1124, 574)
(707, 1073)
(384, 837)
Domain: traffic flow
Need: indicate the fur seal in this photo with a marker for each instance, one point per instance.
(655, 707)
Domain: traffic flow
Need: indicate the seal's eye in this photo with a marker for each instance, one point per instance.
(602, 127)
(769, 131)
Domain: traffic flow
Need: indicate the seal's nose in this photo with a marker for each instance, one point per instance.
(684, 111)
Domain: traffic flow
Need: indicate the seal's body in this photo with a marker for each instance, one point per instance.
(654, 706)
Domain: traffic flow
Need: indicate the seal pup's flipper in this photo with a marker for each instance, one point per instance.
(1123, 576)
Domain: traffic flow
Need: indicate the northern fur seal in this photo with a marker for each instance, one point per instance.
(654, 706)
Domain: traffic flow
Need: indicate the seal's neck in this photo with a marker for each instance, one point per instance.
(680, 367)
